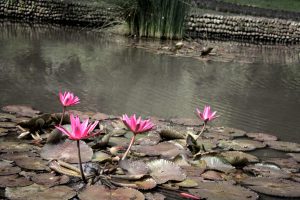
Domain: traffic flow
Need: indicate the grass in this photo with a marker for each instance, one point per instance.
(155, 18)
(289, 5)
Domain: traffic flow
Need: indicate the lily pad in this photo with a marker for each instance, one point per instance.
(164, 149)
(217, 163)
(240, 145)
(188, 183)
(6, 168)
(274, 186)
(16, 155)
(67, 151)
(7, 125)
(287, 164)
(186, 121)
(118, 141)
(100, 192)
(163, 171)
(223, 191)
(49, 179)
(284, 146)
(3, 132)
(150, 139)
(134, 167)
(207, 144)
(14, 181)
(238, 158)
(266, 170)
(24, 111)
(35, 192)
(6, 117)
(170, 132)
(262, 137)
(146, 184)
(32, 163)
(228, 132)
(154, 196)
(101, 156)
(15, 147)
(295, 156)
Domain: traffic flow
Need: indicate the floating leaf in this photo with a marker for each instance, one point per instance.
(217, 163)
(15, 147)
(134, 167)
(240, 145)
(238, 158)
(150, 139)
(284, 146)
(194, 171)
(8, 125)
(274, 186)
(227, 132)
(188, 183)
(118, 141)
(146, 184)
(49, 179)
(212, 175)
(100, 157)
(24, 111)
(287, 164)
(3, 132)
(266, 170)
(223, 191)
(154, 196)
(262, 137)
(164, 149)
(170, 133)
(32, 163)
(186, 122)
(7, 168)
(14, 181)
(100, 192)
(163, 171)
(67, 151)
(36, 192)
(295, 156)
(6, 117)
(16, 155)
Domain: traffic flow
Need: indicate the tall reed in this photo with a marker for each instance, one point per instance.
(155, 18)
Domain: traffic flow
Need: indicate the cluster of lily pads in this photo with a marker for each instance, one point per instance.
(58, 156)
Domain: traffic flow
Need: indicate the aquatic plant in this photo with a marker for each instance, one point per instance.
(67, 99)
(207, 115)
(136, 126)
(155, 18)
(79, 131)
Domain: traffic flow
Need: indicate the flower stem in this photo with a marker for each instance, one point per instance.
(62, 116)
(202, 130)
(80, 163)
(129, 147)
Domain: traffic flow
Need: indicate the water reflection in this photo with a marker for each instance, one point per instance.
(261, 95)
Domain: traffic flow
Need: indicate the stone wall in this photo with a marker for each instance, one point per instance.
(244, 28)
(62, 12)
(222, 6)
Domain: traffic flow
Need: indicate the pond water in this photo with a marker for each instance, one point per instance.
(262, 94)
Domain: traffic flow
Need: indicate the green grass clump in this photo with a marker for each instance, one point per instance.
(289, 5)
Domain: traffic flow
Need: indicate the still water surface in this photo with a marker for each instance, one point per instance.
(108, 76)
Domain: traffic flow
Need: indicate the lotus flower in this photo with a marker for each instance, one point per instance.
(79, 131)
(137, 125)
(68, 99)
(207, 115)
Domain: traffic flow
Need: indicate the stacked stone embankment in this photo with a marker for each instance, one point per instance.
(222, 6)
(62, 12)
(243, 28)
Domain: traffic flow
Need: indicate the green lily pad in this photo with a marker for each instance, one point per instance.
(14, 181)
(284, 146)
(162, 171)
(7, 125)
(118, 141)
(36, 192)
(13, 156)
(134, 167)
(6, 168)
(273, 186)
(149, 139)
(262, 137)
(32, 163)
(228, 132)
(15, 147)
(212, 175)
(186, 121)
(101, 156)
(238, 158)
(172, 132)
(25, 111)
(266, 170)
(164, 149)
(67, 151)
(223, 191)
(49, 179)
(6, 117)
(295, 156)
(3, 132)
(188, 183)
(217, 163)
(240, 145)
(288, 164)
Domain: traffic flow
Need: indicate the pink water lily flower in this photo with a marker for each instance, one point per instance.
(137, 125)
(79, 130)
(68, 99)
(207, 114)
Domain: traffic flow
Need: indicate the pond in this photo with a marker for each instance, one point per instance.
(109, 76)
